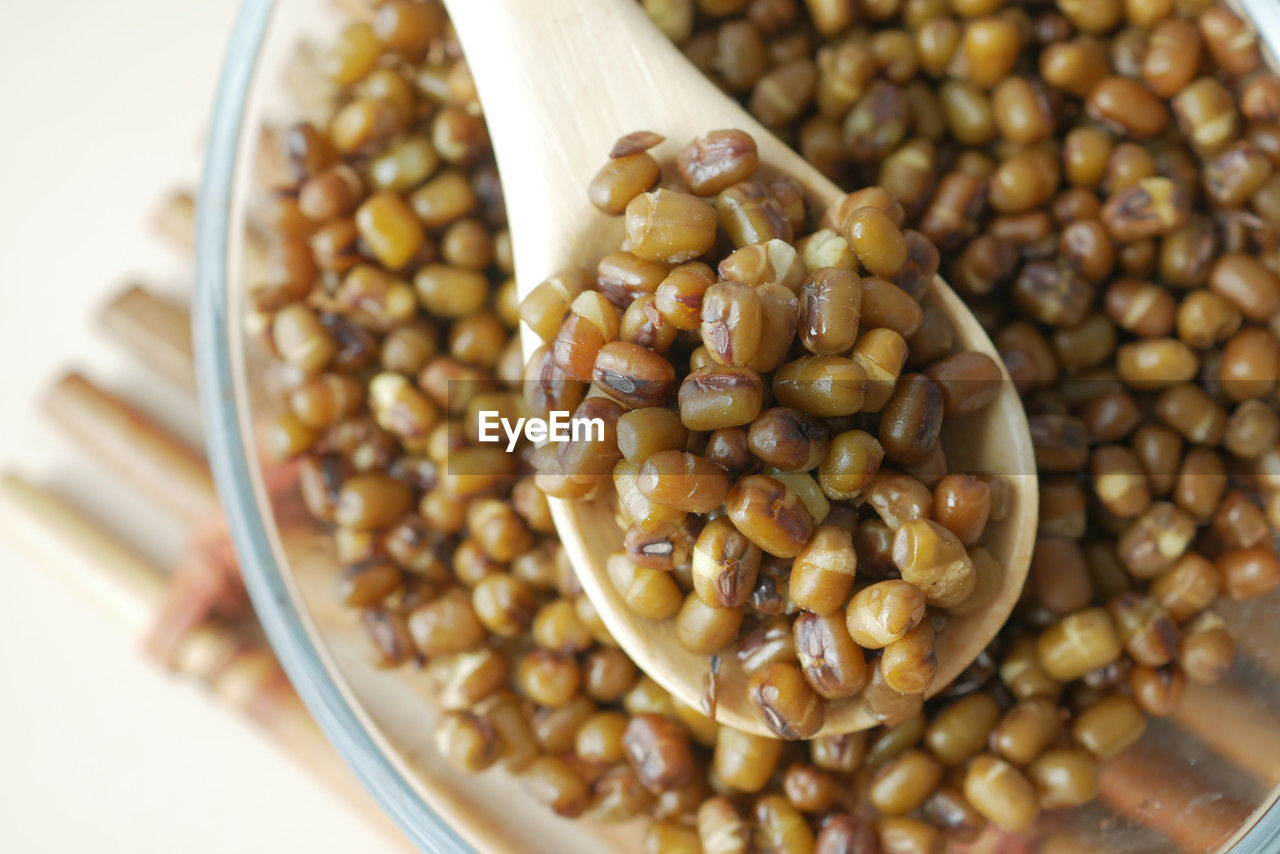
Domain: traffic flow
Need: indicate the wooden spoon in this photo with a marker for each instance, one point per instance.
(561, 81)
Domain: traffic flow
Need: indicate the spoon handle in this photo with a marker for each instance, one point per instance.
(561, 81)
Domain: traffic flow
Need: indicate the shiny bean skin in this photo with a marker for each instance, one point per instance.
(1001, 793)
(885, 612)
(911, 420)
(830, 311)
(830, 660)
(823, 572)
(770, 515)
(931, 557)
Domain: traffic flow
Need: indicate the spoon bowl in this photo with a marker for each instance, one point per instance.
(561, 82)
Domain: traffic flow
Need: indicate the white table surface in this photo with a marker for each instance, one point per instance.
(102, 105)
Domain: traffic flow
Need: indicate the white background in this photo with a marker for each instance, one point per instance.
(102, 106)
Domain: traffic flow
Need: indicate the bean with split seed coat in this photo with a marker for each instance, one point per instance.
(908, 664)
(830, 660)
(788, 440)
(717, 160)
(770, 515)
(824, 386)
(731, 322)
(683, 481)
(882, 354)
(822, 574)
(725, 564)
(884, 612)
(1077, 644)
(931, 557)
(721, 828)
(670, 226)
(789, 706)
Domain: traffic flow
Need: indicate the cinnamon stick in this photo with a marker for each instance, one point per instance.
(154, 329)
(236, 668)
(1148, 786)
(173, 474)
(1234, 725)
(175, 220)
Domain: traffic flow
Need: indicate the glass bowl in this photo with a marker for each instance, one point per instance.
(380, 720)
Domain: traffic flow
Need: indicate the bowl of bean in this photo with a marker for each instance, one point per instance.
(1100, 181)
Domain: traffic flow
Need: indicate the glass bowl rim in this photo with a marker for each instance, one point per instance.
(230, 461)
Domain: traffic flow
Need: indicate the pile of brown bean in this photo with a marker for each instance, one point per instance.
(749, 408)
(1103, 179)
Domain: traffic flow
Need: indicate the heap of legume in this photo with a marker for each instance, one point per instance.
(750, 405)
(1103, 181)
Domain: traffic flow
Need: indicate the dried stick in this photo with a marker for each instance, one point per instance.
(169, 471)
(1150, 787)
(239, 671)
(1235, 726)
(175, 220)
(154, 329)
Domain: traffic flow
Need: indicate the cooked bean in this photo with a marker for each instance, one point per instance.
(911, 420)
(960, 732)
(787, 439)
(908, 664)
(725, 564)
(830, 660)
(743, 761)
(770, 515)
(850, 464)
(1109, 726)
(714, 397)
(622, 179)
(717, 160)
(633, 375)
(931, 557)
(902, 784)
(884, 613)
(1001, 793)
(658, 750)
(1208, 650)
(706, 629)
(969, 381)
(1077, 644)
(669, 226)
(1065, 778)
(789, 706)
(822, 574)
(1026, 730)
(830, 309)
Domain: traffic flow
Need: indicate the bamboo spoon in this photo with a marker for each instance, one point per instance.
(561, 82)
